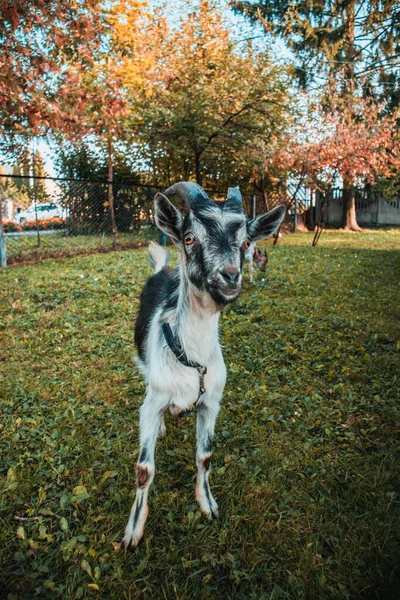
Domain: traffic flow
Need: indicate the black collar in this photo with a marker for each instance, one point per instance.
(180, 354)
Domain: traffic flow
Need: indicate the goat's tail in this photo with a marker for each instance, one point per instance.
(158, 256)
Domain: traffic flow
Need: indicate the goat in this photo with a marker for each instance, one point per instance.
(255, 256)
(176, 329)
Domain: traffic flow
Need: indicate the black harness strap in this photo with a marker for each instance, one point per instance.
(180, 354)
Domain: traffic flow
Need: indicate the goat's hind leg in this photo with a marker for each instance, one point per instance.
(150, 422)
(206, 418)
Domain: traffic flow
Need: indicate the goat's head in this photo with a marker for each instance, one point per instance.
(260, 259)
(213, 237)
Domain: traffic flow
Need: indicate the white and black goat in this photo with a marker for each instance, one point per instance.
(177, 327)
(254, 256)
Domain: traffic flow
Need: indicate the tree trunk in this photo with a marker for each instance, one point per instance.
(349, 73)
(3, 258)
(276, 235)
(35, 195)
(349, 208)
(111, 195)
(197, 167)
(349, 200)
(264, 195)
(301, 223)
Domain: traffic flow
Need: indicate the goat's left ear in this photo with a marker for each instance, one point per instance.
(168, 218)
(265, 225)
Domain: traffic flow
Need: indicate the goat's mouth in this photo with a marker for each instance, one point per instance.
(224, 294)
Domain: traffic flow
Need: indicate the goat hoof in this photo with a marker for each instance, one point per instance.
(209, 508)
(214, 513)
(211, 513)
(131, 542)
(185, 413)
(162, 433)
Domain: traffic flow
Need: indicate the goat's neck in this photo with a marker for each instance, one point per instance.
(196, 323)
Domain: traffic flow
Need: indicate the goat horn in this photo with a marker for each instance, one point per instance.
(191, 192)
(234, 200)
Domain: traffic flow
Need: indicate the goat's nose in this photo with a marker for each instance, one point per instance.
(230, 275)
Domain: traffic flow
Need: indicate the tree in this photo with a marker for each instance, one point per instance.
(350, 46)
(357, 144)
(37, 40)
(209, 102)
(88, 201)
(25, 190)
(15, 189)
(349, 41)
(104, 88)
(101, 141)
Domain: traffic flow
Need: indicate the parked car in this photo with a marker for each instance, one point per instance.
(44, 211)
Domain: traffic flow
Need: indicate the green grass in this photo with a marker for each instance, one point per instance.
(24, 248)
(305, 469)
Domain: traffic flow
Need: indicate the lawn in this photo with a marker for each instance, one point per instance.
(306, 461)
(24, 248)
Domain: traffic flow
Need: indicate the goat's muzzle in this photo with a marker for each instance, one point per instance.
(226, 284)
(230, 277)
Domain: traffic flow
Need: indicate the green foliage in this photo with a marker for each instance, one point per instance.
(194, 104)
(304, 470)
(352, 43)
(388, 187)
(38, 191)
(216, 108)
(20, 190)
(11, 189)
(88, 204)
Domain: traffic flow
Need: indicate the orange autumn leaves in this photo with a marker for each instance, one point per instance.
(357, 144)
(38, 39)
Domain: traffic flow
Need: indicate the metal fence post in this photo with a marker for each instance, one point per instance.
(378, 205)
(3, 257)
(111, 192)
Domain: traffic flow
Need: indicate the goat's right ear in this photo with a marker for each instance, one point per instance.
(265, 225)
(168, 218)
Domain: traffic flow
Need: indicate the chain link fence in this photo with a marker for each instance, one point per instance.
(84, 217)
(77, 217)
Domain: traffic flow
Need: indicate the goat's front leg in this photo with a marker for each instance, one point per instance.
(163, 430)
(206, 418)
(150, 421)
(251, 269)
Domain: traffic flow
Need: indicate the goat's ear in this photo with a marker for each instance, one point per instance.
(265, 225)
(168, 218)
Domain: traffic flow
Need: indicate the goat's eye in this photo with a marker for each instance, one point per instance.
(189, 239)
(247, 244)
